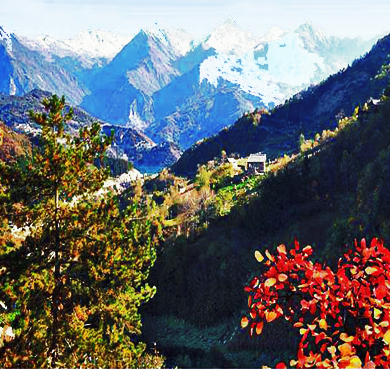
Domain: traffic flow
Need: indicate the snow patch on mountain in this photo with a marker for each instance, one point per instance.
(230, 39)
(288, 61)
(311, 36)
(244, 72)
(90, 44)
(260, 71)
(178, 39)
(12, 86)
(135, 121)
(274, 33)
(6, 39)
(100, 44)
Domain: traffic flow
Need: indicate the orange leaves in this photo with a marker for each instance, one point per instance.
(318, 301)
(269, 256)
(307, 250)
(259, 328)
(323, 324)
(332, 350)
(282, 250)
(345, 349)
(344, 337)
(371, 270)
(381, 291)
(354, 362)
(270, 316)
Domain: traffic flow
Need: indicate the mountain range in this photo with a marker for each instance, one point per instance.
(308, 112)
(170, 86)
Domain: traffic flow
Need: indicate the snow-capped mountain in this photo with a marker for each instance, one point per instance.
(178, 39)
(216, 88)
(121, 92)
(5, 39)
(166, 84)
(23, 69)
(274, 33)
(89, 47)
(230, 39)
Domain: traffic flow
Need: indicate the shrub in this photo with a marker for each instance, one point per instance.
(343, 317)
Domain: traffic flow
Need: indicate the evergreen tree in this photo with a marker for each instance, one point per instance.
(73, 283)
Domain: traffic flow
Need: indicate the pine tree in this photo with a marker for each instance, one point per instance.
(73, 283)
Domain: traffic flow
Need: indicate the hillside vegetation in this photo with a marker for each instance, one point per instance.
(325, 197)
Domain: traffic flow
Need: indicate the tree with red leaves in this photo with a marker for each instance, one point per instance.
(343, 317)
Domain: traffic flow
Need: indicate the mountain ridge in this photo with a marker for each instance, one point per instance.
(307, 112)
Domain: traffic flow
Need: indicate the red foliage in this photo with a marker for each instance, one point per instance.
(343, 316)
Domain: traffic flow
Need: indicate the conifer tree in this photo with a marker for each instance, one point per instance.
(73, 283)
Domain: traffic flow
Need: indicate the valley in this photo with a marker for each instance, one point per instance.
(151, 266)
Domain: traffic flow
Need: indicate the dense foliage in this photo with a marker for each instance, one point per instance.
(73, 266)
(343, 315)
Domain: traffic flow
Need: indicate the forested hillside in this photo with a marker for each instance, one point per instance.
(325, 197)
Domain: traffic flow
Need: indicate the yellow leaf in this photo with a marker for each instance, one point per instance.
(377, 313)
(270, 282)
(386, 337)
(384, 324)
(244, 322)
(370, 270)
(323, 324)
(346, 338)
(355, 362)
(258, 256)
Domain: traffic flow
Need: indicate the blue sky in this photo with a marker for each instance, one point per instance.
(65, 18)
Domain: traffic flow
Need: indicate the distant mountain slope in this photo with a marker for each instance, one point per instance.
(129, 143)
(121, 91)
(308, 112)
(22, 70)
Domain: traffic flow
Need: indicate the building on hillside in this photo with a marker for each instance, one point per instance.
(233, 162)
(256, 163)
